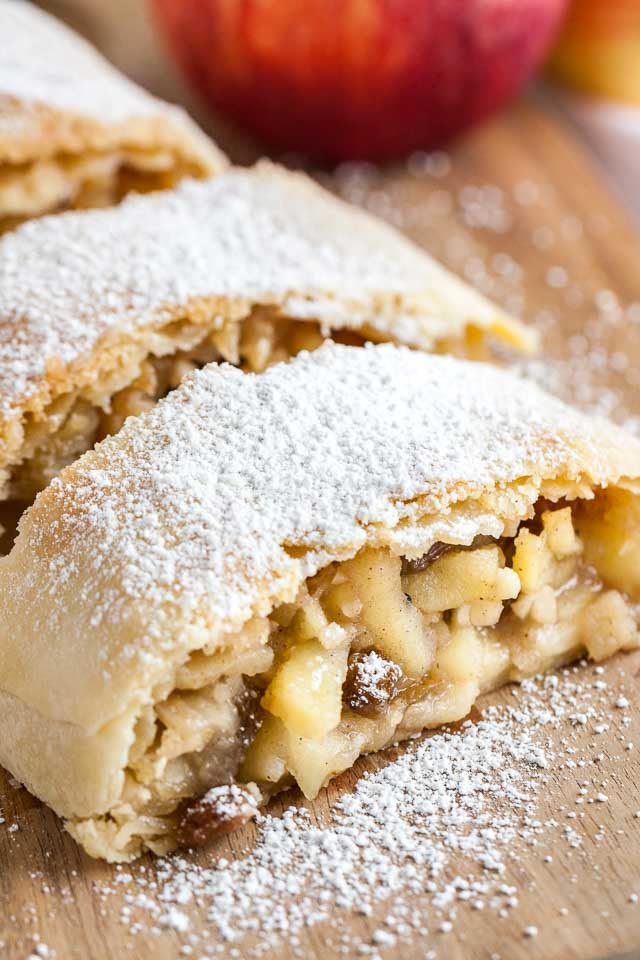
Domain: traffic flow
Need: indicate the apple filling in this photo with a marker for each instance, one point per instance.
(67, 181)
(43, 444)
(381, 647)
(372, 650)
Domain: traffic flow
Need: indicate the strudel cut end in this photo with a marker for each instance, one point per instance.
(103, 312)
(74, 132)
(267, 576)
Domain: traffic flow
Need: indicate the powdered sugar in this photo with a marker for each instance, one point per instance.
(396, 832)
(241, 907)
(589, 334)
(371, 681)
(45, 63)
(431, 833)
(261, 236)
(201, 502)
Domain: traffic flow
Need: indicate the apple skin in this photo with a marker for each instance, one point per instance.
(358, 79)
(599, 48)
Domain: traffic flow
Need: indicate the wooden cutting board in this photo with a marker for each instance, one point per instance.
(520, 210)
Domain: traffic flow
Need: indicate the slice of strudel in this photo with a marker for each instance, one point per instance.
(268, 575)
(74, 132)
(102, 312)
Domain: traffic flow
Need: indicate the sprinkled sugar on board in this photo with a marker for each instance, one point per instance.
(511, 204)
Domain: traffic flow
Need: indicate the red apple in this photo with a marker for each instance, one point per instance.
(358, 79)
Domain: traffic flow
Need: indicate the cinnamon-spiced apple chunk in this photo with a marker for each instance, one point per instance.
(268, 575)
(103, 312)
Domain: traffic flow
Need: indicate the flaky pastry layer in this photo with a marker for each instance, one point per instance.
(76, 133)
(249, 267)
(372, 651)
(265, 576)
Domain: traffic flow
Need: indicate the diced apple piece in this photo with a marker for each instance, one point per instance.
(541, 606)
(544, 608)
(561, 537)
(257, 342)
(453, 703)
(310, 623)
(494, 661)
(609, 626)
(545, 646)
(530, 560)
(276, 751)
(507, 586)
(317, 626)
(460, 577)
(265, 758)
(306, 691)
(459, 660)
(485, 613)
(227, 340)
(471, 657)
(395, 624)
(610, 530)
(314, 762)
(461, 616)
(315, 621)
(341, 602)
(522, 606)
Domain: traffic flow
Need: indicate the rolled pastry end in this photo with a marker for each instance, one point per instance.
(372, 650)
(94, 169)
(75, 133)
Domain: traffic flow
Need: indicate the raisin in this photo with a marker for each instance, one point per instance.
(220, 810)
(421, 563)
(372, 681)
(438, 549)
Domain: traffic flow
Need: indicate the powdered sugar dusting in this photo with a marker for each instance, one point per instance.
(581, 840)
(259, 236)
(371, 680)
(45, 63)
(197, 502)
(429, 835)
(503, 238)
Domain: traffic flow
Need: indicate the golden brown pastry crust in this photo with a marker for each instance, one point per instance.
(73, 131)
(207, 512)
(86, 297)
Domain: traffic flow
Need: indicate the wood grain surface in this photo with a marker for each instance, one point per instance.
(520, 210)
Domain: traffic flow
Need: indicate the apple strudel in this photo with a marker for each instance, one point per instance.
(74, 132)
(102, 312)
(266, 576)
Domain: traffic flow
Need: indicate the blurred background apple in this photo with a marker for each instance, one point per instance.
(599, 48)
(358, 79)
